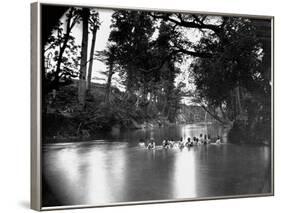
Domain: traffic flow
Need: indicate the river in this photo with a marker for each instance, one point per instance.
(114, 168)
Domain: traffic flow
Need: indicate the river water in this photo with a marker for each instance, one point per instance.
(114, 168)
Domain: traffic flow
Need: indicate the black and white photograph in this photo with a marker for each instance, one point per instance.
(146, 106)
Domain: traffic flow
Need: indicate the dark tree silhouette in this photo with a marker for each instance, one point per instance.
(94, 26)
(83, 64)
(62, 45)
(109, 57)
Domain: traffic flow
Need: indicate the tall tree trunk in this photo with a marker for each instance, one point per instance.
(62, 48)
(129, 83)
(83, 64)
(108, 85)
(169, 91)
(164, 105)
(90, 69)
(238, 100)
(56, 80)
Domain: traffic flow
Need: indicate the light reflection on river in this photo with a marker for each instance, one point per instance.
(118, 170)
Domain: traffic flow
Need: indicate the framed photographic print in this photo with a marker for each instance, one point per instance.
(134, 106)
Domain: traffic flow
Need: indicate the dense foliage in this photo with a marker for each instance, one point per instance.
(233, 79)
(145, 54)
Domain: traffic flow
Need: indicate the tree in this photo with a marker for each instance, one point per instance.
(231, 85)
(165, 92)
(94, 26)
(131, 31)
(148, 62)
(109, 57)
(83, 64)
(61, 45)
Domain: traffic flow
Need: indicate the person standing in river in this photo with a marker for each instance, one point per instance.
(201, 140)
(218, 141)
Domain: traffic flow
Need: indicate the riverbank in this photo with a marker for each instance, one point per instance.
(63, 131)
(65, 125)
(152, 129)
(147, 130)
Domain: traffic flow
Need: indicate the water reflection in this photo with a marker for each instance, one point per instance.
(184, 175)
(110, 171)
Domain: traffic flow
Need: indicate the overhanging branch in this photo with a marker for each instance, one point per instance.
(193, 53)
(198, 24)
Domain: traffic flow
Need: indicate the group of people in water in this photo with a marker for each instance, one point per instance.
(168, 144)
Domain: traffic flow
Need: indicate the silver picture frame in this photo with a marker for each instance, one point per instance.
(36, 108)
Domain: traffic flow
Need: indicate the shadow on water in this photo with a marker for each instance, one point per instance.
(116, 169)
